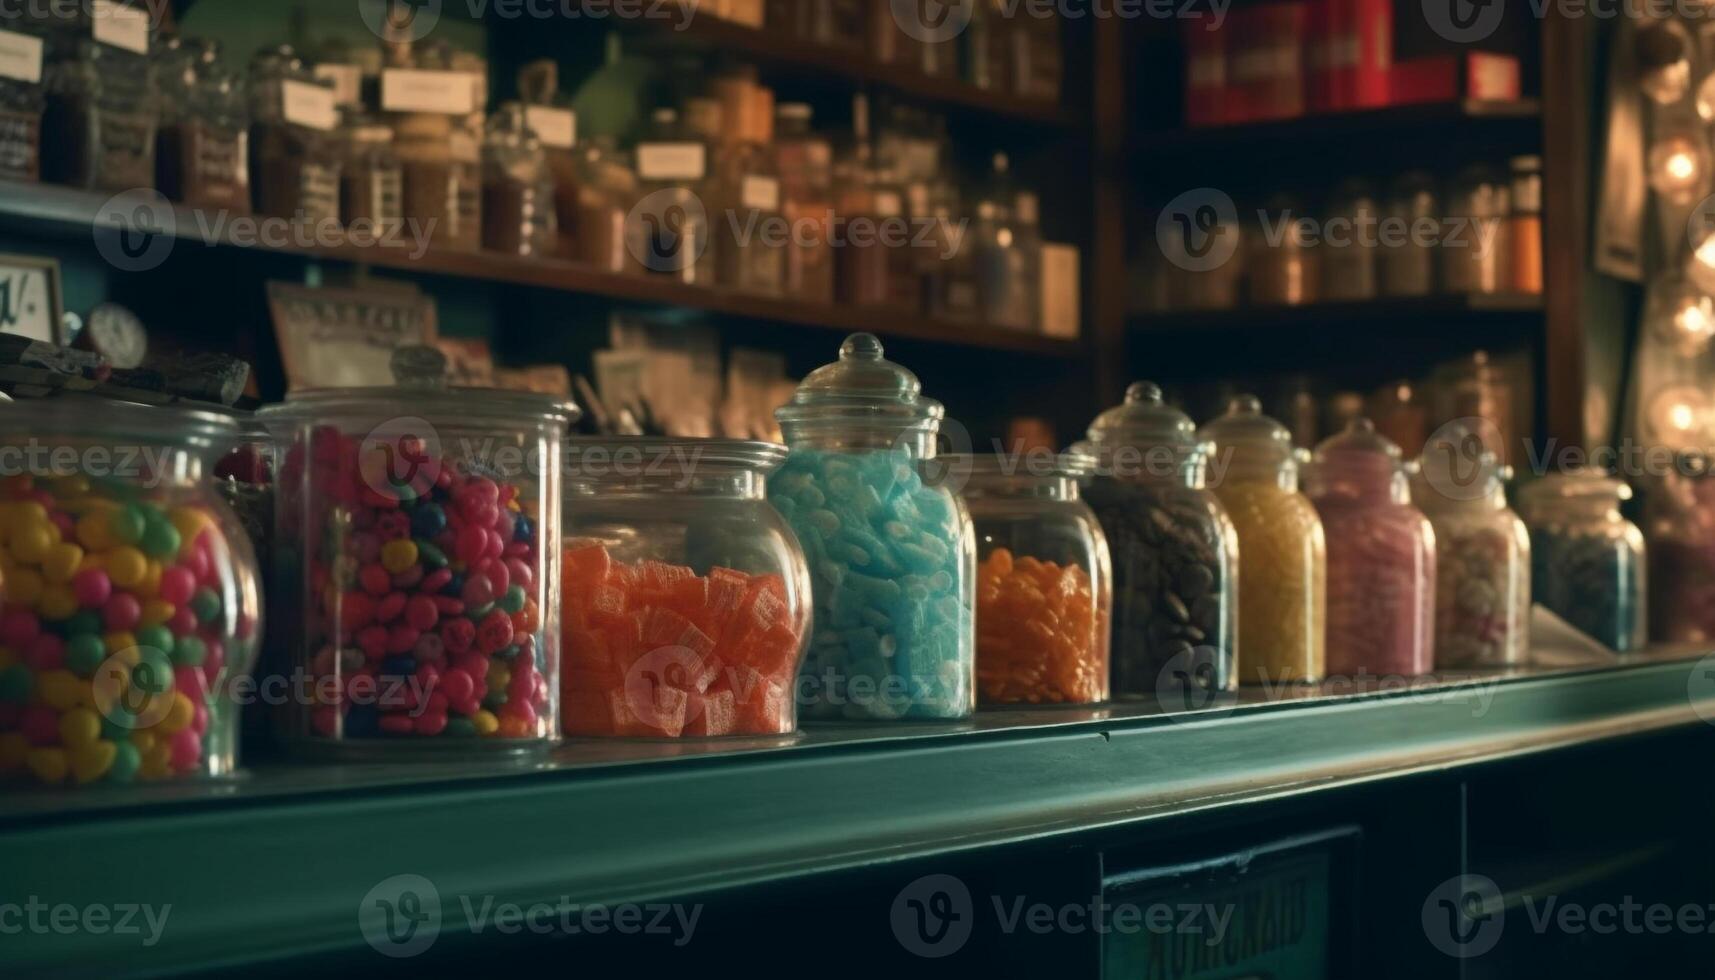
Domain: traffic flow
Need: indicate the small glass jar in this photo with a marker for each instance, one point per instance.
(22, 98)
(607, 188)
(441, 160)
(1474, 257)
(203, 150)
(1400, 415)
(132, 605)
(518, 210)
(686, 597)
(1175, 550)
(1482, 554)
(418, 541)
(1679, 523)
(372, 181)
(1044, 581)
(1349, 252)
(805, 162)
(293, 155)
(1587, 561)
(1381, 557)
(1283, 554)
(1413, 224)
(892, 554)
(99, 126)
(1476, 388)
(1524, 226)
(1283, 266)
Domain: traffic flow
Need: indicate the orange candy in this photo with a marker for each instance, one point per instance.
(1040, 637)
(655, 650)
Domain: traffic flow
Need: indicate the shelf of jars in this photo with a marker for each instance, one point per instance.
(767, 809)
(68, 211)
(1352, 129)
(1379, 313)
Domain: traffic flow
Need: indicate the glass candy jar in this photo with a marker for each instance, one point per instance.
(686, 599)
(1587, 561)
(132, 603)
(1381, 557)
(1482, 555)
(1174, 550)
(417, 539)
(1283, 554)
(1679, 520)
(892, 556)
(1044, 581)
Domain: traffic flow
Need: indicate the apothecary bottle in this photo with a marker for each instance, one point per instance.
(671, 232)
(805, 162)
(1587, 561)
(1679, 523)
(101, 117)
(1044, 580)
(890, 545)
(686, 598)
(1175, 553)
(518, 211)
(607, 189)
(372, 181)
(1381, 557)
(203, 151)
(293, 145)
(22, 97)
(1283, 553)
(1482, 554)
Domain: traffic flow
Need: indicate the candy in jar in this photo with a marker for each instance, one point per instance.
(1044, 581)
(1679, 521)
(1283, 555)
(131, 600)
(418, 541)
(1381, 557)
(1482, 554)
(1587, 561)
(892, 554)
(1175, 551)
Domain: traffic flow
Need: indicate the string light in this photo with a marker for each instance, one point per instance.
(1679, 166)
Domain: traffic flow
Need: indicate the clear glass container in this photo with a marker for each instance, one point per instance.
(1482, 554)
(296, 166)
(1283, 554)
(1679, 523)
(1287, 270)
(1479, 392)
(1408, 252)
(686, 597)
(746, 188)
(441, 162)
(101, 116)
(1475, 259)
(418, 548)
(518, 211)
(873, 261)
(805, 162)
(1175, 551)
(132, 604)
(23, 96)
(1007, 249)
(203, 149)
(1044, 580)
(892, 551)
(1587, 561)
(555, 124)
(372, 180)
(1400, 415)
(607, 188)
(1381, 557)
(671, 232)
(1350, 251)
(1524, 226)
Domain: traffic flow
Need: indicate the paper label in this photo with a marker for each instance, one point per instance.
(310, 106)
(452, 93)
(20, 57)
(556, 128)
(671, 161)
(1059, 291)
(347, 82)
(760, 193)
(120, 26)
(888, 205)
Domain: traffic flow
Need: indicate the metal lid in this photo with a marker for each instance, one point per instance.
(1573, 485)
(861, 388)
(1145, 421)
(487, 405)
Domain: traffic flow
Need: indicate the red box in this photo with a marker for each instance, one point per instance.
(1205, 70)
(1445, 78)
(1350, 52)
(1265, 62)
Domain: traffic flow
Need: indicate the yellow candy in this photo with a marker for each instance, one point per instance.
(90, 560)
(62, 562)
(75, 485)
(57, 602)
(93, 531)
(91, 762)
(157, 762)
(119, 640)
(190, 523)
(13, 747)
(62, 691)
(30, 542)
(22, 513)
(80, 727)
(498, 676)
(157, 611)
(23, 585)
(485, 722)
(150, 587)
(144, 739)
(129, 656)
(396, 556)
(179, 716)
(49, 765)
(127, 567)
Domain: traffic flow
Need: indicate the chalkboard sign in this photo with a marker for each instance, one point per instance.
(1279, 912)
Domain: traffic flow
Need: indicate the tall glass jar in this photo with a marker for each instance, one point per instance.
(1476, 388)
(1679, 522)
(686, 596)
(203, 150)
(1381, 557)
(99, 127)
(518, 210)
(22, 96)
(1349, 255)
(1408, 256)
(805, 162)
(1587, 561)
(292, 146)
(1482, 554)
(1044, 580)
(607, 188)
(892, 554)
(1283, 266)
(1283, 554)
(132, 605)
(418, 543)
(1175, 550)
(372, 182)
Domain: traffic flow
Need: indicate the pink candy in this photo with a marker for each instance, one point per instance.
(46, 653)
(91, 587)
(19, 628)
(422, 613)
(178, 584)
(121, 611)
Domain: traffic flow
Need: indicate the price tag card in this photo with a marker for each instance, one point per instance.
(671, 161)
(120, 25)
(20, 57)
(760, 193)
(311, 106)
(556, 128)
(412, 90)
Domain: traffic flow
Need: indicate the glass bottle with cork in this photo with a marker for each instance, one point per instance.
(556, 128)
(670, 234)
(518, 190)
(873, 261)
(805, 163)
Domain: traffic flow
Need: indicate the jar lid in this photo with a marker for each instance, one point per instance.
(1252, 436)
(1573, 485)
(1074, 463)
(486, 405)
(110, 420)
(861, 388)
(623, 457)
(1145, 421)
(1456, 466)
(1360, 445)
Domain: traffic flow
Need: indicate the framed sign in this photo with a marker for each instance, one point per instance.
(345, 338)
(30, 301)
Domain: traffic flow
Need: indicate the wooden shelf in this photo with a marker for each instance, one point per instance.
(69, 212)
(1378, 312)
(1350, 129)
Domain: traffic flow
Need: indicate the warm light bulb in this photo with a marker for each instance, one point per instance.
(1681, 167)
(1680, 414)
(1679, 310)
(1678, 166)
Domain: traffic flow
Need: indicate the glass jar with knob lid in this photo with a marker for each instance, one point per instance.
(1381, 557)
(1175, 552)
(1587, 561)
(891, 549)
(1679, 523)
(1283, 553)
